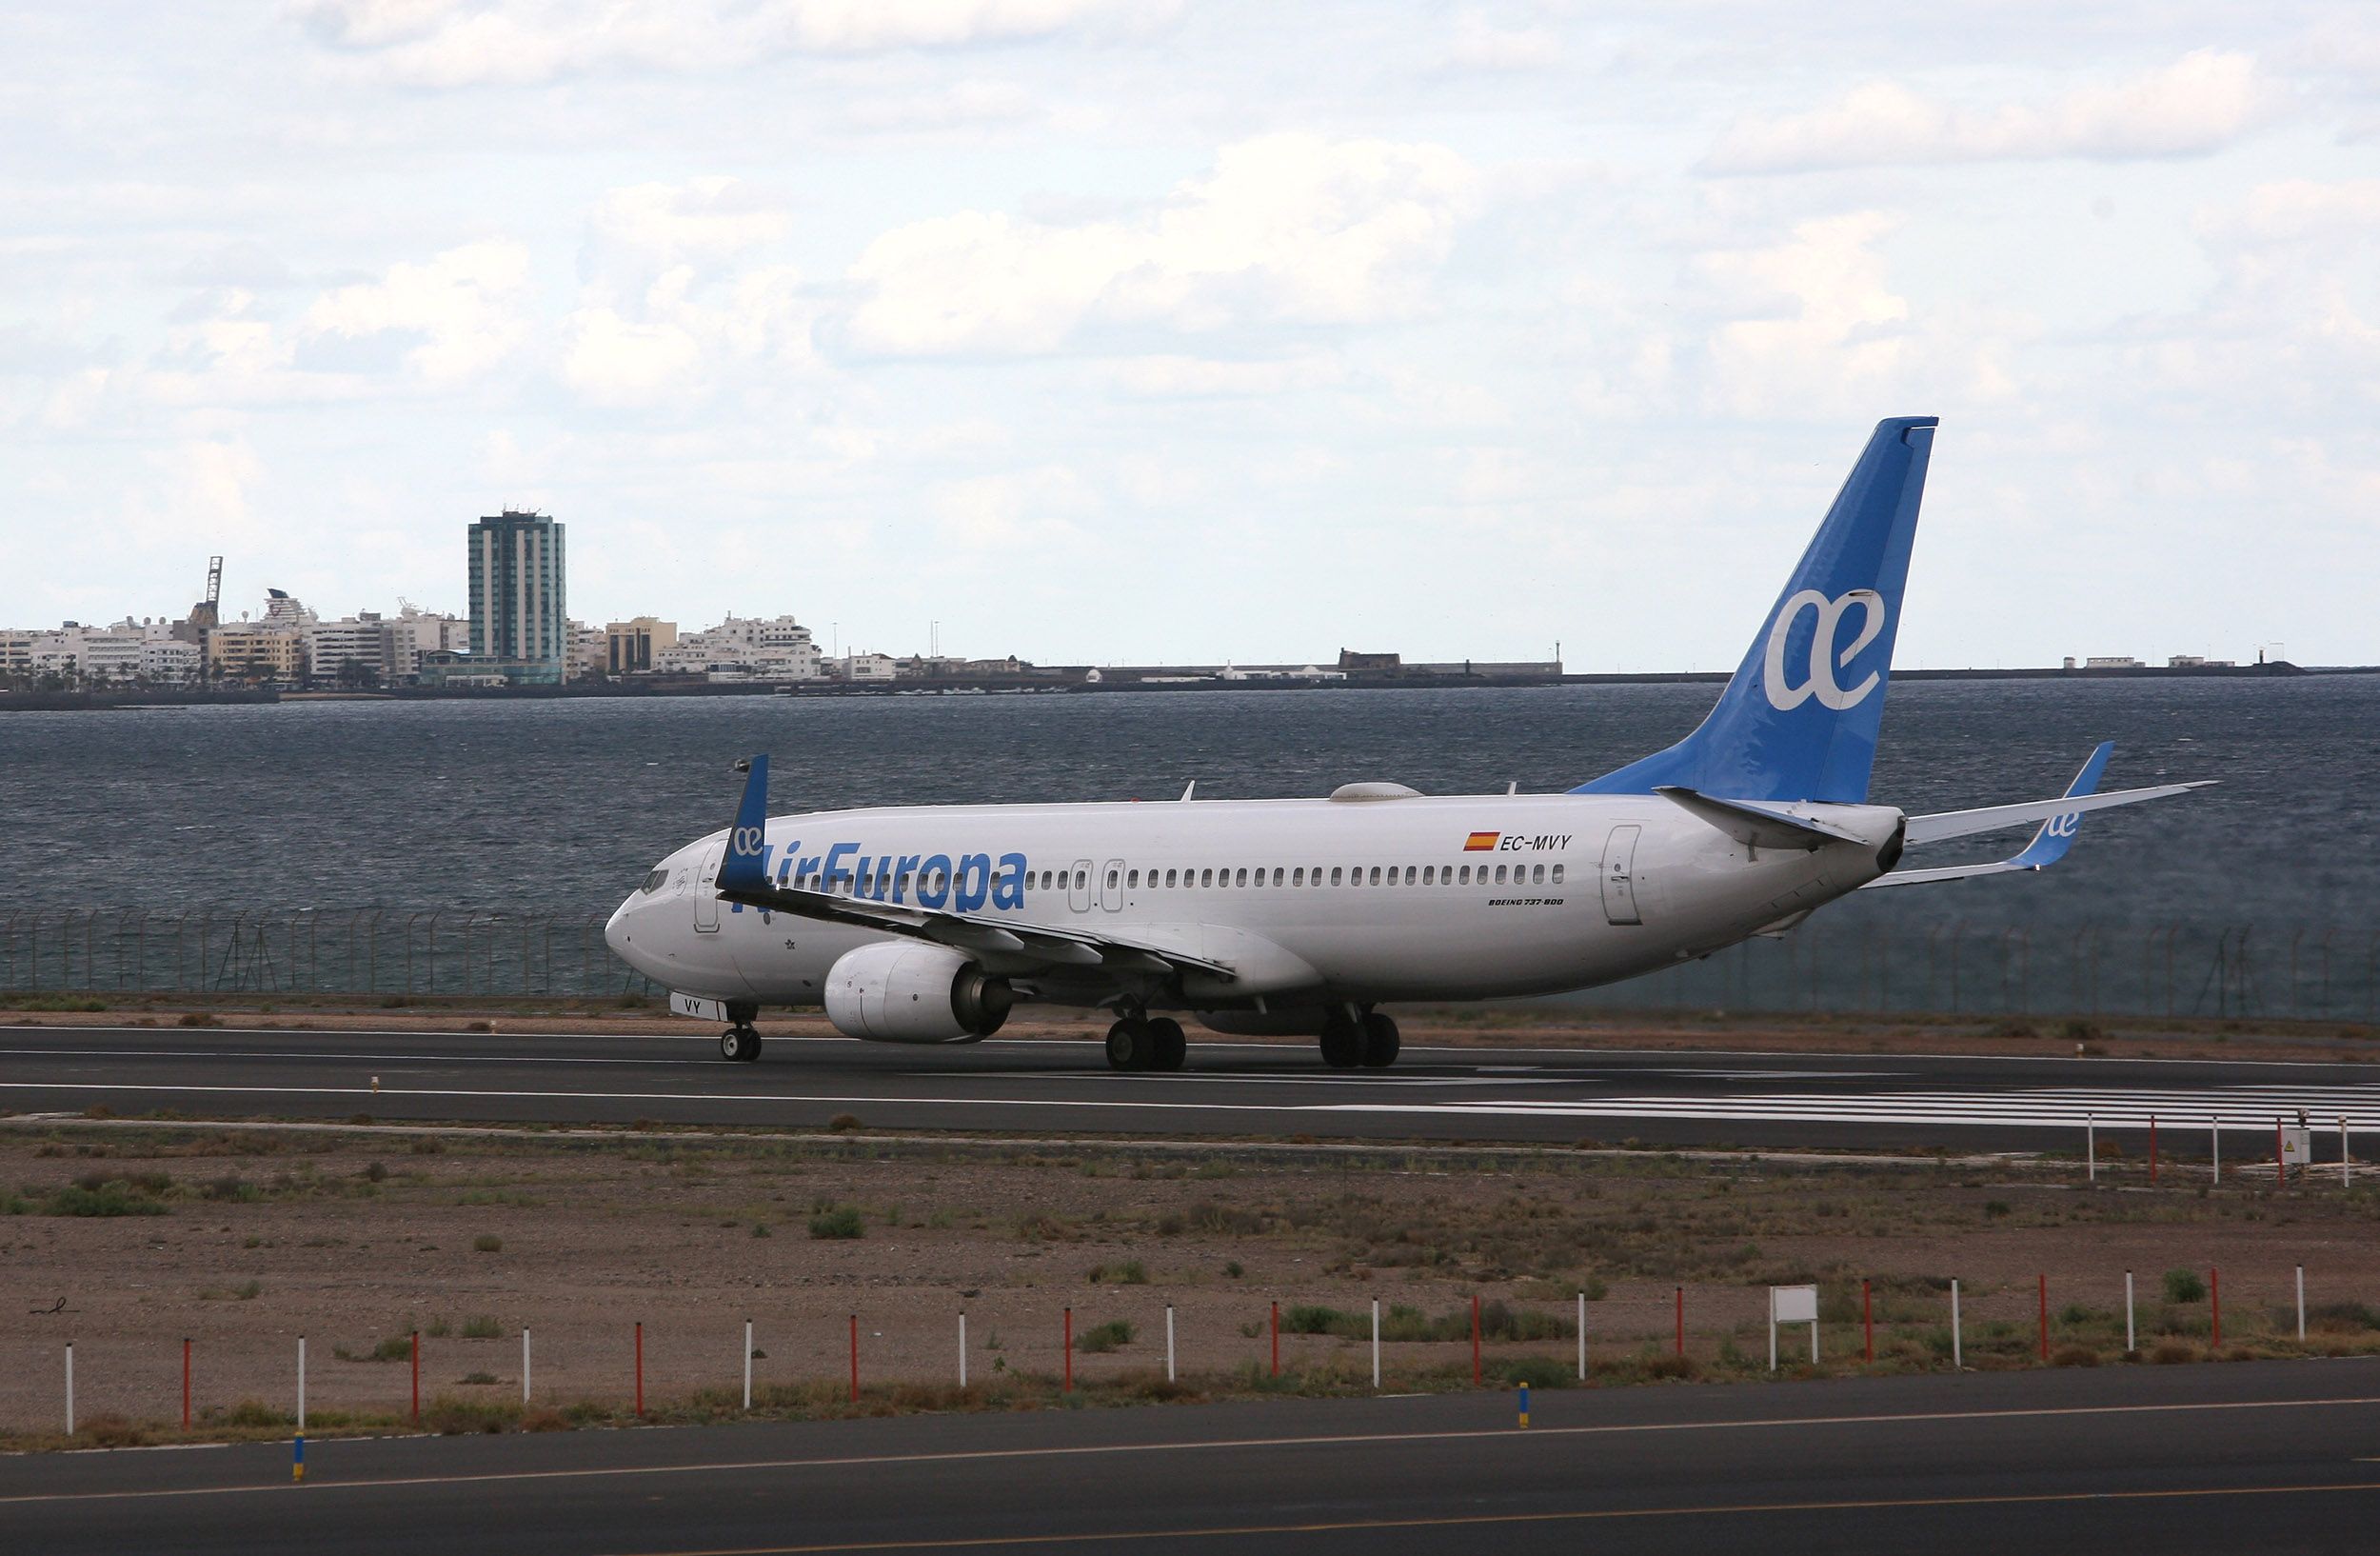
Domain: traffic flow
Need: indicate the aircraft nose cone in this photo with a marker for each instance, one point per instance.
(616, 930)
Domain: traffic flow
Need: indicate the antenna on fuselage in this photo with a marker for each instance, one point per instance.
(1513, 787)
(1192, 787)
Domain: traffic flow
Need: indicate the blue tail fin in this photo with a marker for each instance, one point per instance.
(1799, 720)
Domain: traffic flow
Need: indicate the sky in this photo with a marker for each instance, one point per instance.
(1151, 331)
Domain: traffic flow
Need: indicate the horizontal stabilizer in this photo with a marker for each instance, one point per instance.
(1949, 823)
(1755, 825)
(2057, 831)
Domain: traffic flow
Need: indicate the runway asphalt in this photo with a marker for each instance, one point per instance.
(1039, 1088)
(2264, 1457)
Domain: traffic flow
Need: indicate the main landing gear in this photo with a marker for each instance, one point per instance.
(1139, 1042)
(741, 1043)
(1370, 1040)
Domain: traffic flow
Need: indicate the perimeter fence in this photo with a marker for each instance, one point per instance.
(2093, 969)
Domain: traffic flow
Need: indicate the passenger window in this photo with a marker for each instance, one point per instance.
(1083, 877)
(1111, 880)
(1243, 879)
(1429, 875)
(1169, 877)
(1500, 875)
(1334, 875)
(1298, 878)
(1133, 880)
(1537, 875)
(1375, 875)
(1557, 875)
(1206, 877)
(1409, 874)
(901, 888)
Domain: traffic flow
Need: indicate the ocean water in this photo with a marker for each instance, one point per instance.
(555, 808)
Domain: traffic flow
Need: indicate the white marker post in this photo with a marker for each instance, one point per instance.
(2129, 1345)
(300, 1432)
(2090, 1144)
(1958, 1356)
(963, 1347)
(2215, 1141)
(2301, 1302)
(1169, 1342)
(1376, 1344)
(748, 1364)
(524, 1367)
(2343, 1168)
(1582, 1337)
(70, 1389)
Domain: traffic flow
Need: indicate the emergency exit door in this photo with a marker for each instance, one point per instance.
(1619, 876)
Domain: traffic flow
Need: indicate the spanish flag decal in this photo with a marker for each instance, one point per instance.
(1480, 843)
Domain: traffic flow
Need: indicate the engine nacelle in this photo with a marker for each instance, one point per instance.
(903, 991)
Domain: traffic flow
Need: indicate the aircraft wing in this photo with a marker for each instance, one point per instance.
(2060, 822)
(743, 878)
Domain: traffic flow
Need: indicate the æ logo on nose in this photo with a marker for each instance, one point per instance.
(1825, 657)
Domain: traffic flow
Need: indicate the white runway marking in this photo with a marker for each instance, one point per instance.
(2251, 1107)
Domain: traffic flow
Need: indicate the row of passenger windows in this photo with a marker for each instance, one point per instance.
(1338, 875)
(867, 883)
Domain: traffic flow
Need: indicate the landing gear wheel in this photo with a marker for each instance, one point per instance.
(739, 1045)
(1343, 1043)
(1130, 1045)
(1380, 1041)
(1170, 1045)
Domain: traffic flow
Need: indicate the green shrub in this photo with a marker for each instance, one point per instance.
(1105, 1337)
(844, 1220)
(488, 1242)
(1130, 1272)
(481, 1326)
(1535, 1371)
(2184, 1286)
(112, 1198)
(397, 1348)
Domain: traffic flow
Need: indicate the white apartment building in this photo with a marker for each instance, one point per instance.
(743, 649)
(361, 640)
(415, 632)
(867, 667)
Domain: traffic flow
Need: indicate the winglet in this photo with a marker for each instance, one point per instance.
(2057, 835)
(745, 866)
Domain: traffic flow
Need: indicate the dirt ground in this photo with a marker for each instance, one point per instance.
(127, 1237)
(1485, 1027)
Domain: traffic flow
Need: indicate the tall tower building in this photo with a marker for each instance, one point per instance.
(519, 613)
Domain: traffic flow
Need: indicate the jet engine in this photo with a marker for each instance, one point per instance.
(903, 991)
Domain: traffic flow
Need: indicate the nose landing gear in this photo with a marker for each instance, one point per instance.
(741, 1043)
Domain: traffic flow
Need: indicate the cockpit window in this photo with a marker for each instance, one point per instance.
(653, 882)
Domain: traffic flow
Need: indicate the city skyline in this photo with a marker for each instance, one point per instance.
(1116, 331)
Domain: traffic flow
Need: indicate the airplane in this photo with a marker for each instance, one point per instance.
(1305, 917)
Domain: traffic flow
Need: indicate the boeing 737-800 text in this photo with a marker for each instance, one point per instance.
(930, 924)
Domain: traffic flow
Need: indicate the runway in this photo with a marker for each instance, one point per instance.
(2273, 1456)
(1032, 1086)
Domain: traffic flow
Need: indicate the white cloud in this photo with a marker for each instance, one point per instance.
(2200, 103)
(1478, 44)
(1010, 510)
(1164, 377)
(467, 306)
(1286, 227)
(467, 43)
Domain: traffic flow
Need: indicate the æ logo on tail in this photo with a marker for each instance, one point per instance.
(1825, 658)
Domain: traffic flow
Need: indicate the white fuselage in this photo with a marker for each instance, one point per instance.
(1308, 902)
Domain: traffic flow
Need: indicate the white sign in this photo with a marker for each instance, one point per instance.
(2298, 1146)
(1792, 1305)
(696, 1008)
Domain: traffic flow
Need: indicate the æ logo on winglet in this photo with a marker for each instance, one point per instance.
(1825, 657)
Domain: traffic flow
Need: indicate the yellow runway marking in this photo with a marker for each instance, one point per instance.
(1536, 1434)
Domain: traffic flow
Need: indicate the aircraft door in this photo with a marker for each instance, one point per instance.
(1112, 886)
(1619, 876)
(1078, 887)
(706, 891)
